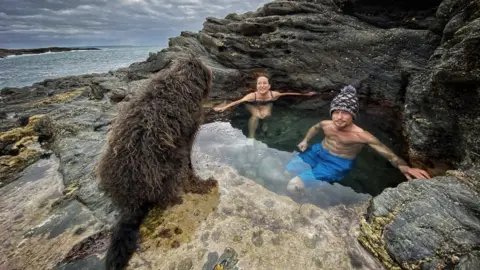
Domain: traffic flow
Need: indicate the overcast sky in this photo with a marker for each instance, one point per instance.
(40, 23)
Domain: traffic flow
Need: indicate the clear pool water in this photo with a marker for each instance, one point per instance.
(275, 144)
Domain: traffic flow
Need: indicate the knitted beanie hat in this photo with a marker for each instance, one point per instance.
(346, 100)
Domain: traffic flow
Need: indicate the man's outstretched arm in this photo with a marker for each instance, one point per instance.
(395, 160)
(314, 130)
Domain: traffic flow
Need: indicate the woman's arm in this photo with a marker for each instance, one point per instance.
(277, 94)
(248, 97)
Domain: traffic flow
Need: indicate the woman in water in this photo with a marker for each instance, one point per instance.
(259, 103)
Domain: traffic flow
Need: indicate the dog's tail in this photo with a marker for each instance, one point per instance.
(124, 237)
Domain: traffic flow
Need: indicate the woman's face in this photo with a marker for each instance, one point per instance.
(262, 85)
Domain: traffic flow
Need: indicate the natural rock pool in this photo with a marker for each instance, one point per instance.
(256, 222)
(276, 143)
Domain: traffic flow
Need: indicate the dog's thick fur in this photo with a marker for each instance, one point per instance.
(147, 160)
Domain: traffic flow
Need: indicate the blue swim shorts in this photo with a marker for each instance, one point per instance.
(317, 164)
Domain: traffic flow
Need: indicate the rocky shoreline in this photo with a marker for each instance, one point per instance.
(426, 69)
(6, 52)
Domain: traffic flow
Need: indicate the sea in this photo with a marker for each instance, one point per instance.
(24, 70)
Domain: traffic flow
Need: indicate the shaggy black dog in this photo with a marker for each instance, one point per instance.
(147, 160)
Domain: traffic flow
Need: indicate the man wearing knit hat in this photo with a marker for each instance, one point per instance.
(334, 157)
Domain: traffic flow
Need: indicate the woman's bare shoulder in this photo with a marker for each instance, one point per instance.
(276, 94)
(249, 96)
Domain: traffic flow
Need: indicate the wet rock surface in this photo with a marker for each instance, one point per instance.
(255, 232)
(426, 224)
(31, 223)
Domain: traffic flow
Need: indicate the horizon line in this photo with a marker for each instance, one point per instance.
(79, 46)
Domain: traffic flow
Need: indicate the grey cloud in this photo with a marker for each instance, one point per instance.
(33, 23)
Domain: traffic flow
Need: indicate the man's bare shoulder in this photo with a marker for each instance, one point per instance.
(359, 130)
(324, 124)
(366, 136)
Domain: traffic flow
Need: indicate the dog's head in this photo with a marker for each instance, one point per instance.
(187, 76)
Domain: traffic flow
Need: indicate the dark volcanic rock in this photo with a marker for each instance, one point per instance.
(64, 83)
(441, 109)
(102, 85)
(471, 261)
(43, 97)
(435, 224)
(305, 45)
(426, 224)
(410, 14)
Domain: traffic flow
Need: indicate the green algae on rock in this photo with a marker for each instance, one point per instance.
(61, 97)
(178, 224)
(22, 139)
(371, 239)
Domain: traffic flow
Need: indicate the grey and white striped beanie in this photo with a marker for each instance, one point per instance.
(346, 100)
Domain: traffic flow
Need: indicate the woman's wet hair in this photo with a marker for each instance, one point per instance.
(254, 76)
(259, 74)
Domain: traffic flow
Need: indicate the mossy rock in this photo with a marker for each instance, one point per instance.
(62, 97)
(18, 133)
(177, 225)
(371, 238)
(21, 138)
(9, 165)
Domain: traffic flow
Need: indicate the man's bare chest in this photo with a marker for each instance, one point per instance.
(339, 138)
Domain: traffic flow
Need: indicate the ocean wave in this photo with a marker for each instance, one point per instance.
(48, 52)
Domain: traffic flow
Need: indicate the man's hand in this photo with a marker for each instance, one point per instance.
(302, 145)
(412, 173)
